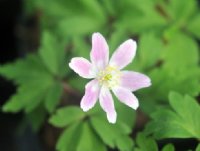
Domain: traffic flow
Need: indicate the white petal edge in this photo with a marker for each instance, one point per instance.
(134, 80)
(99, 54)
(91, 95)
(124, 54)
(107, 104)
(82, 67)
(126, 96)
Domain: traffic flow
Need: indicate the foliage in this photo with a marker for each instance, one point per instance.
(145, 143)
(180, 121)
(167, 33)
(92, 129)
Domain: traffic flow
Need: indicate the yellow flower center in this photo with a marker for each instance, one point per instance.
(109, 77)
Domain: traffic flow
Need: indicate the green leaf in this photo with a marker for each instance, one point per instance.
(118, 137)
(72, 26)
(168, 147)
(120, 130)
(145, 143)
(28, 96)
(53, 97)
(97, 131)
(53, 9)
(150, 49)
(93, 8)
(189, 112)
(193, 25)
(182, 121)
(77, 83)
(69, 139)
(14, 105)
(104, 129)
(185, 48)
(81, 47)
(117, 37)
(186, 82)
(125, 116)
(124, 143)
(139, 18)
(89, 141)
(198, 148)
(66, 116)
(25, 70)
(109, 7)
(180, 11)
(185, 66)
(36, 118)
(52, 52)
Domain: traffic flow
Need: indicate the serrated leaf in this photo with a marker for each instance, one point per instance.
(187, 81)
(89, 141)
(66, 116)
(181, 122)
(168, 147)
(13, 105)
(145, 143)
(189, 112)
(51, 52)
(104, 129)
(53, 97)
(28, 96)
(180, 57)
(69, 139)
(25, 70)
(193, 25)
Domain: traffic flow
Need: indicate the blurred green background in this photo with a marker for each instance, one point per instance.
(46, 102)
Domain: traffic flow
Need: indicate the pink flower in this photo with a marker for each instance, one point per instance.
(107, 75)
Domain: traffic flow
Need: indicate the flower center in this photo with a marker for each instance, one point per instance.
(109, 77)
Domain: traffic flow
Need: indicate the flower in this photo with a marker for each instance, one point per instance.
(107, 75)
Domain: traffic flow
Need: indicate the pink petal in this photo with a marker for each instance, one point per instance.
(126, 97)
(91, 95)
(82, 67)
(106, 102)
(134, 80)
(100, 51)
(124, 54)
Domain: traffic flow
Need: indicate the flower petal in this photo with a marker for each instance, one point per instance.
(82, 67)
(106, 102)
(126, 97)
(134, 80)
(124, 54)
(91, 95)
(100, 51)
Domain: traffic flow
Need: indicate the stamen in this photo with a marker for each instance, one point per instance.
(109, 77)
